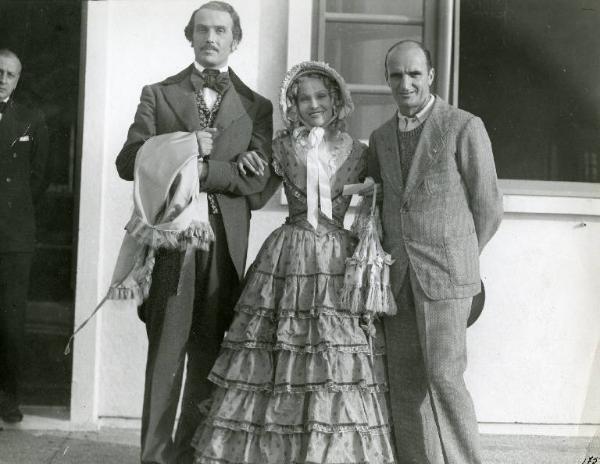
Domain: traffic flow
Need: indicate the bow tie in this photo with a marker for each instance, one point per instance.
(3, 106)
(212, 79)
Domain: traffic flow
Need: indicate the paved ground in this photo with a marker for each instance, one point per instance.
(108, 446)
(116, 446)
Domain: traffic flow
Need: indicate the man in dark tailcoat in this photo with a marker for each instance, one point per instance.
(23, 156)
(229, 120)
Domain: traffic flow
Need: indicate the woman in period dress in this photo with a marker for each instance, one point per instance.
(297, 380)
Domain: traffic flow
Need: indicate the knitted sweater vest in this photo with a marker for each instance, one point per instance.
(407, 145)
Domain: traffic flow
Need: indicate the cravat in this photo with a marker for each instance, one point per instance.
(212, 79)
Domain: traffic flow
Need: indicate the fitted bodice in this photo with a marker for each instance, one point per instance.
(347, 165)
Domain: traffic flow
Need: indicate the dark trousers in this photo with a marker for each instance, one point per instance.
(432, 411)
(14, 284)
(177, 327)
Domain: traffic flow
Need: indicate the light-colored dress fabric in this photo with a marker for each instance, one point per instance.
(296, 381)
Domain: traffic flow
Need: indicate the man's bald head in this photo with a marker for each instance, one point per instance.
(408, 43)
(10, 71)
(5, 52)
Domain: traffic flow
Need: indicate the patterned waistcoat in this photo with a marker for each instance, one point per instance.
(207, 119)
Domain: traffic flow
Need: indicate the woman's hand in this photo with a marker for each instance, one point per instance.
(251, 161)
(365, 189)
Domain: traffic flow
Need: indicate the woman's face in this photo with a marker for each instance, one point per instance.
(314, 102)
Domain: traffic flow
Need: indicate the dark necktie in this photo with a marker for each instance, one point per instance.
(213, 79)
(3, 106)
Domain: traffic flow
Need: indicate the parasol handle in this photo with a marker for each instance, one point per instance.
(373, 200)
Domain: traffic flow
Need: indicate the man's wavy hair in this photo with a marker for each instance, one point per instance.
(217, 6)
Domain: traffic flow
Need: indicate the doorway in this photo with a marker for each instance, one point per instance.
(46, 35)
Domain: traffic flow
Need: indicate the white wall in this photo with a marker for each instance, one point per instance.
(131, 43)
(534, 354)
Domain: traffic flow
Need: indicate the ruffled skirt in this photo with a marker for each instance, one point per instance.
(299, 379)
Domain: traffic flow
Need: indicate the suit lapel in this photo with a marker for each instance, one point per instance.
(236, 103)
(390, 161)
(430, 143)
(230, 110)
(11, 126)
(181, 98)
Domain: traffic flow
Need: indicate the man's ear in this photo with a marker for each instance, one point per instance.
(234, 45)
(431, 76)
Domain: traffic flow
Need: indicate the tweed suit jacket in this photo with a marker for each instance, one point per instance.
(244, 121)
(23, 160)
(450, 207)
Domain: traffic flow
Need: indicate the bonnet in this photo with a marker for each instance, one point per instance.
(342, 103)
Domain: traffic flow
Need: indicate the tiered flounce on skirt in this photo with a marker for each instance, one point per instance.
(296, 379)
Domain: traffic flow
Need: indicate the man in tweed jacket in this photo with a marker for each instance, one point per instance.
(229, 120)
(441, 205)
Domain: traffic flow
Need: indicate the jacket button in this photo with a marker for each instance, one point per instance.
(10, 204)
(8, 179)
(14, 155)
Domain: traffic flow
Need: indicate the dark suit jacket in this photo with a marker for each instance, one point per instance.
(23, 158)
(244, 121)
(450, 207)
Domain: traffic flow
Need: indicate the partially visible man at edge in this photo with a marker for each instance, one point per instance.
(229, 120)
(23, 159)
(441, 206)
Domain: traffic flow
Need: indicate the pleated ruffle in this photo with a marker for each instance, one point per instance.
(300, 378)
(289, 371)
(324, 411)
(225, 446)
(303, 335)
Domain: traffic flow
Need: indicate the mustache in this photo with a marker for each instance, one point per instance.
(209, 47)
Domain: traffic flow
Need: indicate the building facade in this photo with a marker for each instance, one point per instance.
(534, 355)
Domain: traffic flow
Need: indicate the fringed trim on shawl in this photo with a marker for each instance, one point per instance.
(198, 235)
(136, 285)
(137, 293)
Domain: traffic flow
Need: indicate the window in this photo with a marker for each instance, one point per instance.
(530, 69)
(353, 36)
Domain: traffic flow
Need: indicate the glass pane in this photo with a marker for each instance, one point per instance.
(357, 51)
(395, 7)
(371, 111)
(530, 70)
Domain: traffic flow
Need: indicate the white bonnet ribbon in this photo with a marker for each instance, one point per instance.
(318, 189)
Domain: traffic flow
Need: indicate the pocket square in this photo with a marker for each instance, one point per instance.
(24, 138)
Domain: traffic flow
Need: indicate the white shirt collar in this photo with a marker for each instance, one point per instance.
(201, 68)
(418, 118)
